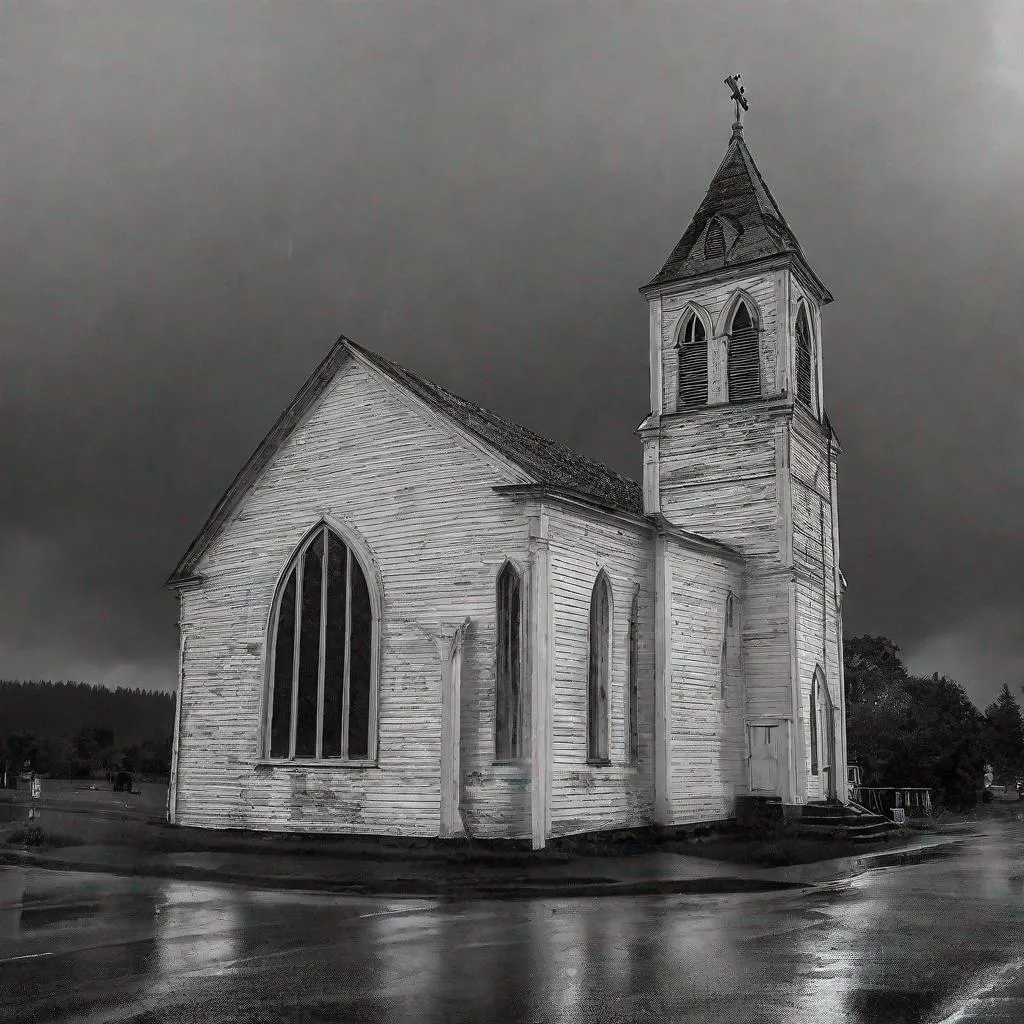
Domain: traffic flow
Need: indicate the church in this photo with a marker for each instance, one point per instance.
(410, 616)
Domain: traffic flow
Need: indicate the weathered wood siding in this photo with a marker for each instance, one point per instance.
(586, 796)
(706, 729)
(421, 498)
(817, 606)
(722, 476)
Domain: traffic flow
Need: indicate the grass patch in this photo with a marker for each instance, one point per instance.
(37, 838)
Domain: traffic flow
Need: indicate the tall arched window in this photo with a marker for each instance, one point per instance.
(600, 669)
(714, 241)
(634, 678)
(804, 361)
(508, 711)
(814, 724)
(693, 363)
(727, 637)
(323, 644)
(744, 356)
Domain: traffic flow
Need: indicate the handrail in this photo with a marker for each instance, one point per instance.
(916, 801)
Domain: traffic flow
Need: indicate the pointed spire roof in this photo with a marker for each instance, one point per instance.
(753, 227)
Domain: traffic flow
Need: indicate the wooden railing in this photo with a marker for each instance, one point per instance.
(916, 803)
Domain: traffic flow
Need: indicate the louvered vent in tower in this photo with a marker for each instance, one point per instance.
(804, 362)
(744, 357)
(693, 364)
(714, 241)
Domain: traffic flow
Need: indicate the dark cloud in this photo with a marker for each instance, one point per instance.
(198, 198)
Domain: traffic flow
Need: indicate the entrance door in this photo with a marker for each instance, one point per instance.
(764, 758)
(828, 748)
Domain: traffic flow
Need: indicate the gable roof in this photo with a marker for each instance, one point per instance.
(754, 225)
(548, 462)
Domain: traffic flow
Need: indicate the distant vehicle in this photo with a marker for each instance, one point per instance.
(123, 782)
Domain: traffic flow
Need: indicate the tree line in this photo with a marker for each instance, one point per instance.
(906, 730)
(77, 730)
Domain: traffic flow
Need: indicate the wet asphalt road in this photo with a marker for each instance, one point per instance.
(941, 941)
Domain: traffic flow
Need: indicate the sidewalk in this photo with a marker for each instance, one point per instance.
(503, 877)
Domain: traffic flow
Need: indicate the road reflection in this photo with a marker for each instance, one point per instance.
(919, 944)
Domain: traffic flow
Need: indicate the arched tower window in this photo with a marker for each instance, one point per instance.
(744, 356)
(634, 678)
(804, 361)
(693, 363)
(600, 669)
(323, 653)
(508, 711)
(714, 241)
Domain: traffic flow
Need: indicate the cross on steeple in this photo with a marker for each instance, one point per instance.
(733, 81)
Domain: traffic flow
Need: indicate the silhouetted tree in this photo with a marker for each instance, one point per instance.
(1004, 736)
(908, 731)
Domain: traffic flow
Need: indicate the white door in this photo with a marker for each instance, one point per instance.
(764, 758)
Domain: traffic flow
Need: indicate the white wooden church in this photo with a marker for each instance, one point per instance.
(411, 616)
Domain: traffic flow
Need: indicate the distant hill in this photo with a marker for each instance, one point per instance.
(58, 711)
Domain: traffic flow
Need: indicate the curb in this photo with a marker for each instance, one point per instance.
(456, 890)
(417, 888)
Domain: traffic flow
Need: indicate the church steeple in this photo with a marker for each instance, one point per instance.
(738, 223)
(738, 448)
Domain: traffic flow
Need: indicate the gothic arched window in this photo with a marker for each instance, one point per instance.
(634, 679)
(600, 669)
(714, 241)
(323, 640)
(508, 710)
(814, 724)
(727, 638)
(804, 361)
(693, 363)
(744, 356)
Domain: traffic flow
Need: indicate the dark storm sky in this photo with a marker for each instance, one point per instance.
(196, 199)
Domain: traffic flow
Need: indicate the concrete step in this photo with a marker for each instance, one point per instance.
(845, 822)
(871, 830)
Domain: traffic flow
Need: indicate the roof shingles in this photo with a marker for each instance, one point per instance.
(550, 462)
(738, 195)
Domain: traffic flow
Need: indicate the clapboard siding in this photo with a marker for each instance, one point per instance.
(717, 474)
(707, 742)
(814, 467)
(720, 478)
(584, 796)
(421, 499)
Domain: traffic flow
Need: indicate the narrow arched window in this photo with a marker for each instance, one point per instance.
(727, 638)
(508, 711)
(744, 356)
(323, 639)
(600, 668)
(804, 361)
(634, 679)
(814, 725)
(714, 241)
(693, 363)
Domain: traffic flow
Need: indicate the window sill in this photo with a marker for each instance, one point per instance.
(312, 762)
(599, 762)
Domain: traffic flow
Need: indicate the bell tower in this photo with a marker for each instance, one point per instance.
(738, 448)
